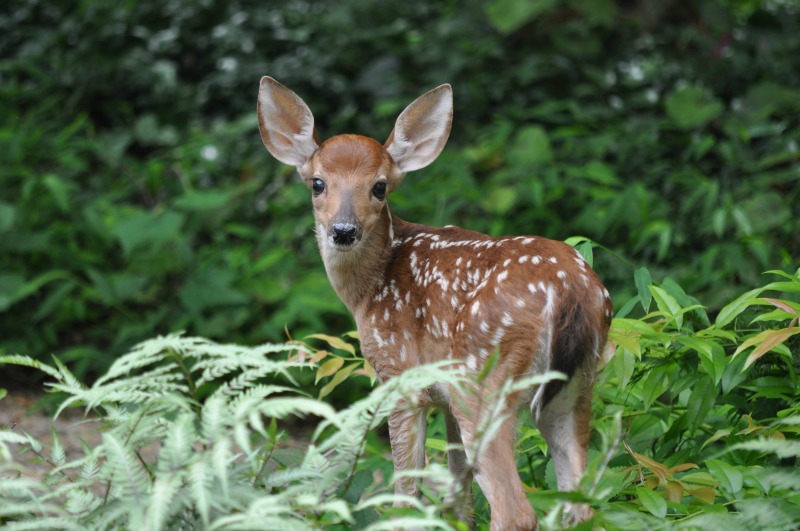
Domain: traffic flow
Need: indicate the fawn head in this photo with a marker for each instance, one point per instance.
(350, 175)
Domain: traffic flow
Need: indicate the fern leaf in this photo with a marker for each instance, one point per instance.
(124, 470)
(160, 505)
(25, 361)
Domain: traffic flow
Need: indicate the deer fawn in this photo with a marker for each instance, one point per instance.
(421, 294)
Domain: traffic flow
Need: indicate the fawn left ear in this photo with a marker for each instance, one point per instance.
(286, 124)
(422, 129)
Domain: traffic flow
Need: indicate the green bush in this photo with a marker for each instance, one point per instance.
(696, 427)
(138, 199)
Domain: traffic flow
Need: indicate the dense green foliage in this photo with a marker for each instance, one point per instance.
(137, 198)
(697, 427)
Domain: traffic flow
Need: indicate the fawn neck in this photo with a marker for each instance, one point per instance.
(355, 274)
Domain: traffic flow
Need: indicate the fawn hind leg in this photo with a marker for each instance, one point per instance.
(495, 466)
(564, 423)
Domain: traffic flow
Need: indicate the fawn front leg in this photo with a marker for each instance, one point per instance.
(461, 471)
(407, 428)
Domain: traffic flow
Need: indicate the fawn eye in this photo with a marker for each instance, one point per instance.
(318, 186)
(379, 190)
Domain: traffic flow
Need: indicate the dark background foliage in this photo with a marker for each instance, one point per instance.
(136, 197)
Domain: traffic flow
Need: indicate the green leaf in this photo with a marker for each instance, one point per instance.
(700, 403)
(500, 199)
(328, 368)
(643, 281)
(667, 304)
(203, 201)
(8, 213)
(531, 147)
(740, 304)
(729, 477)
(143, 229)
(652, 501)
(509, 15)
(338, 378)
(334, 342)
(692, 106)
(624, 364)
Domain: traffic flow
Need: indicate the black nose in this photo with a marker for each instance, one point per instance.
(344, 233)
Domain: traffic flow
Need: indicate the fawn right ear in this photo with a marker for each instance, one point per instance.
(286, 124)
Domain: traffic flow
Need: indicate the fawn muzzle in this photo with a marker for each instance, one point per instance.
(345, 234)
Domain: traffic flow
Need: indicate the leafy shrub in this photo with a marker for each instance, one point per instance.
(696, 427)
(138, 199)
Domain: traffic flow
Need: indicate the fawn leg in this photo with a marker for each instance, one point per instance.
(496, 470)
(407, 428)
(459, 467)
(564, 423)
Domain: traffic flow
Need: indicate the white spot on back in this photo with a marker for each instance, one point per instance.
(502, 276)
(475, 306)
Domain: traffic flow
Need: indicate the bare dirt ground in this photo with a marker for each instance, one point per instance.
(25, 409)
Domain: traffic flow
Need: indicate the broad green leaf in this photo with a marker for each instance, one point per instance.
(667, 304)
(531, 147)
(8, 213)
(328, 368)
(624, 364)
(338, 378)
(729, 476)
(436, 444)
(652, 501)
(692, 106)
(643, 280)
(202, 201)
(702, 400)
(509, 15)
(740, 304)
(500, 200)
(587, 253)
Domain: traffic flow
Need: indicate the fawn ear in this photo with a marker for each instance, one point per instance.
(421, 130)
(286, 124)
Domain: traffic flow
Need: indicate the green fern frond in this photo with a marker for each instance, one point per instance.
(25, 361)
(124, 470)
